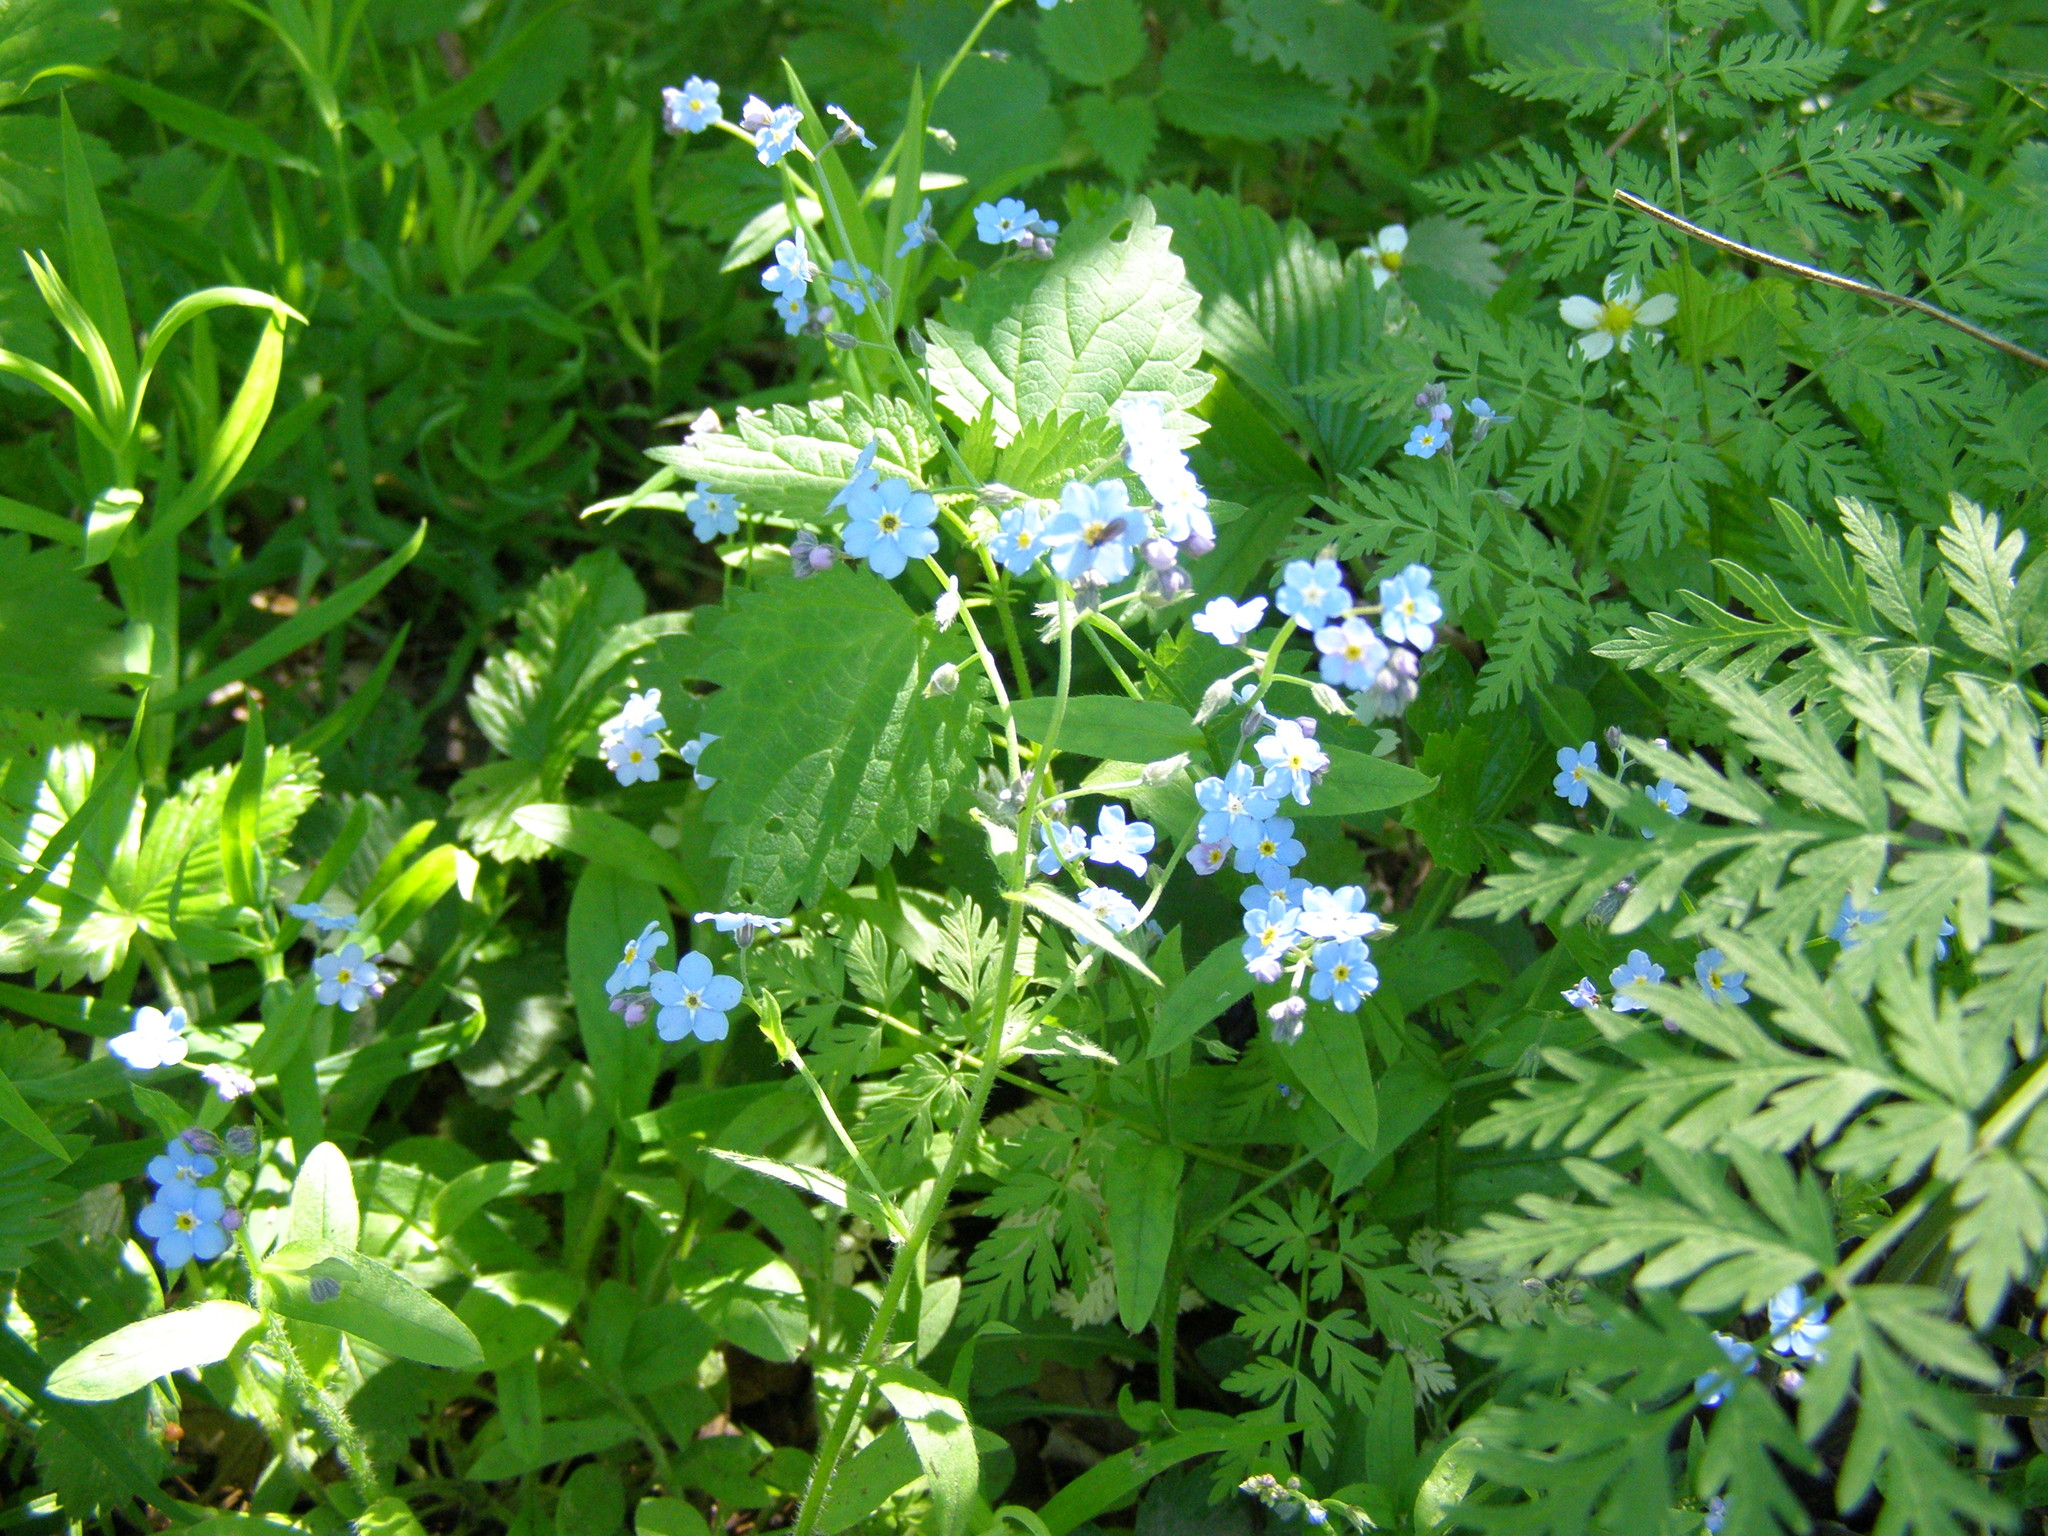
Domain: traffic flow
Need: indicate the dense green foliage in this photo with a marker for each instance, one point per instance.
(361, 363)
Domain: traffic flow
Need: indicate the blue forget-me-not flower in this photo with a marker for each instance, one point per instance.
(1572, 768)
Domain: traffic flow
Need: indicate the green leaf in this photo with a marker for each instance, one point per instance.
(1114, 1481)
(1357, 784)
(828, 1187)
(323, 1208)
(830, 752)
(605, 839)
(241, 849)
(1341, 44)
(388, 1517)
(677, 1517)
(1141, 1189)
(1079, 921)
(1201, 995)
(1208, 89)
(864, 1482)
(747, 1295)
(59, 634)
(791, 460)
(376, 1304)
(1093, 42)
(1111, 727)
(1108, 318)
(95, 275)
(942, 1437)
(1331, 1061)
(1121, 129)
(130, 1358)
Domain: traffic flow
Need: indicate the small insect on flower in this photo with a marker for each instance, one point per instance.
(1571, 783)
(1313, 592)
(346, 978)
(1428, 439)
(1717, 981)
(1352, 654)
(179, 1163)
(1292, 761)
(1798, 1327)
(694, 999)
(1116, 911)
(1614, 320)
(1343, 976)
(1095, 531)
(1582, 995)
(691, 107)
(1228, 622)
(634, 757)
(1385, 253)
(636, 963)
(154, 1039)
(692, 751)
(323, 921)
(1410, 610)
(919, 231)
(184, 1221)
(1121, 842)
(889, 526)
(1639, 970)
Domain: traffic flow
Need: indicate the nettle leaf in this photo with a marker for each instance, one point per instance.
(792, 460)
(62, 639)
(1110, 317)
(1340, 46)
(1212, 91)
(829, 752)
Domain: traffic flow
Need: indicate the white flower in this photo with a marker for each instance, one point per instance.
(154, 1039)
(230, 1083)
(1613, 320)
(1385, 253)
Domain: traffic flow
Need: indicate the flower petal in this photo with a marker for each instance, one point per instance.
(1657, 309)
(1579, 312)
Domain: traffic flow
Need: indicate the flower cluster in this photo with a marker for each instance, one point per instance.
(631, 742)
(187, 1218)
(1008, 222)
(1639, 971)
(1286, 1500)
(1573, 781)
(691, 107)
(1431, 437)
(1798, 1328)
(773, 129)
(692, 999)
(1117, 843)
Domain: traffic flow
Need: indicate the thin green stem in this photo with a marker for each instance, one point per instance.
(326, 1411)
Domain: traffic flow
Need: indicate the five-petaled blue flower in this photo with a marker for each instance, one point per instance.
(184, 1221)
(853, 283)
(346, 978)
(1269, 855)
(1207, 858)
(1343, 976)
(1121, 842)
(155, 1038)
(1061, 845)
(1352, 653)
(1094, 531)
(691, 107)
(793, 310)
(1313, 593)
(1572, 768)
(863, 478)
(1852, 917)
(1292, 760)
(1715, 1516)
(1798, 1327)
(1719, 983)
(1271, 930)
(179, 1164)
(918, 231)
(636, 964)
(1234, 807)
(712, 513)
(1427, 440)
(889, 526)
(1020, 539)
(693, 999)
(744, 926)
(1227, 622)
(1119, 914)
(323, 921)
(1007, 221)
(791, 271)
(1638, 968)
(777, 136)
(692, 752)
(1583, 994)
(1667, 796)
(1713, 1387)
(634, 757)
(1410, 608)
(1338, 914)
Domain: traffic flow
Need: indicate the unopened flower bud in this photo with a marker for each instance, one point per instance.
(916, 342)
(1286, 1016)
(619, 1004)
(241, 1140)
(201, 1141)
(1215, 699)
(1164, 769)
(947, 142)
(1160, 554)
(842, 341)
(945, 679)
(1430, 396)
(231, 1219)
(1035, 247)
(1613, 738)
(1328, 700)
(635, 1010)
(1198, 544)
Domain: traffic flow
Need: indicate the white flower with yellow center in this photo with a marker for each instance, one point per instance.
(1385, 253)
(1614, 319)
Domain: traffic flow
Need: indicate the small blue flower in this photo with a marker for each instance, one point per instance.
(744, 926)
(323, 921)
(179, 1164)
(1716, 1515)
(1227, 622)
(1020, 540)
(1343, 976)
(1638, 968)
(792, 269)
(1798, 1327)
(793, 311)
(690, 108)
(1853, 917)
(636, 964)
(1094, 531)
(712, 513)
(853, 283)
(777, 136)
(155, 1038)
(1338, 915)
(918, 231)
(1352, 654)
(184, 1220)
(1723, 986)
(1948, 931)
(1272, 853)
(1118, 913)
(693, 999)
(346, 977)
(1207, 858)
(1410, 608)
(1292, 761)
(1005, 222)
(1427, 440)
(1713, 1387)
(1582, 995)
(634, 757)
(1572, 768)
(848, 128)
(1486, 417)
(890, 526)
(1314, 594)
(1271, 931)
(1234, 807)
(691, 752)
(1060, 845)
(863, 477)
(1667, 796)
(1121, 842)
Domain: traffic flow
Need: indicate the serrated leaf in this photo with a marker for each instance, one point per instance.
(829, 751)
(1110, 317)
(1209, 89)
(1093, 42)
(792, 460)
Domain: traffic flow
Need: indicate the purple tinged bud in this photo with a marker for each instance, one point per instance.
(635, 1010)
(1286, 1016)
(201, 1141)
(1197, 544)
(242, 1140)
(619, 1004)
(1160, 554)
(1430, 396)
(1613, 735)
(231, 1219)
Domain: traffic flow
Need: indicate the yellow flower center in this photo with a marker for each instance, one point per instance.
(1340, 972)
(889, 522)
(187, 1222)
(1353, 651)
(1391, 260)
(345, 976)
(1616, 316)
(693, 1000)
(1268, 848)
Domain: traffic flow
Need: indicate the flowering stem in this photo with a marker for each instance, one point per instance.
(329, 1414)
